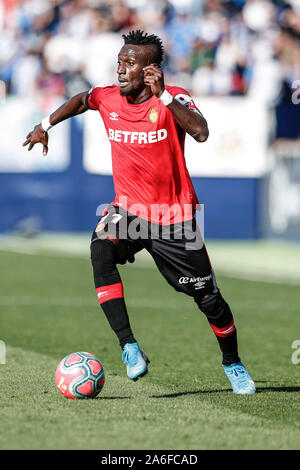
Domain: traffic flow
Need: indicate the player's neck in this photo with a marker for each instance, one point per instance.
(139, 98)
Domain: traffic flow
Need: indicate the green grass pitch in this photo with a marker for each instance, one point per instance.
(49, 308)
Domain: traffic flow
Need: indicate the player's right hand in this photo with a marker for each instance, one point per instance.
(37, 136)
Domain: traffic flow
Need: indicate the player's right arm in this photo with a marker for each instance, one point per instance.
(74, 106)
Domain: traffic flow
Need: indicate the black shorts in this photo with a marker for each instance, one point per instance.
(178, 250)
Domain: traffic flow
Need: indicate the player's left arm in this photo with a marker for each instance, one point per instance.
(191, 120)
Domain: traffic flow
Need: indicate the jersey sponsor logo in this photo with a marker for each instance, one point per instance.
(153, 115)
(128, 137)
(113, 116)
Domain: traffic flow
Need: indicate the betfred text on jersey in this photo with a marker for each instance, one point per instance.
(128, 137)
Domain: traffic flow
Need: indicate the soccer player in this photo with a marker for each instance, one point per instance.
(154, 209)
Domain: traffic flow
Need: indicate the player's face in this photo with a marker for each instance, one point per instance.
(131, 61)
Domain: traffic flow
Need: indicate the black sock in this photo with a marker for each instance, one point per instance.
(229, 349)
(220, 318)
(116, 314)
(109, 289)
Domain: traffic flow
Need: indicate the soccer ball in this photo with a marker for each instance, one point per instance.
(80, 375)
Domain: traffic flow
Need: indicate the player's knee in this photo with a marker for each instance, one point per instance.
(103, 255)
(213, 306)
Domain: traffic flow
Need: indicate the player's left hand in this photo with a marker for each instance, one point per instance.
(154, 78)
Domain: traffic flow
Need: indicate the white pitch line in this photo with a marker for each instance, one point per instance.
(32, 301)
(78, 247)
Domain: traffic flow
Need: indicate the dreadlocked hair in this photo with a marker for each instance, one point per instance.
(140, 38)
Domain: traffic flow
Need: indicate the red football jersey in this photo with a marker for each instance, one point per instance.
(149, 170)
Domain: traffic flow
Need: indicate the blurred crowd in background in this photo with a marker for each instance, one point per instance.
(212, 47)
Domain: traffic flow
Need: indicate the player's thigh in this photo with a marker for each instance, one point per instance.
(185, 264)
(113, 226)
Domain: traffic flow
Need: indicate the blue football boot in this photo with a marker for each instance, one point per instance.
(136, 361)
(240, 379)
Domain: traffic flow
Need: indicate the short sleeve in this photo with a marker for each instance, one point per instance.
(93, 98)
(183, 96)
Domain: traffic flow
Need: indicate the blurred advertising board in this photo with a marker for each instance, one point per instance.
(18, 117)
(64, 189)
(281, 193)
(237, 145)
